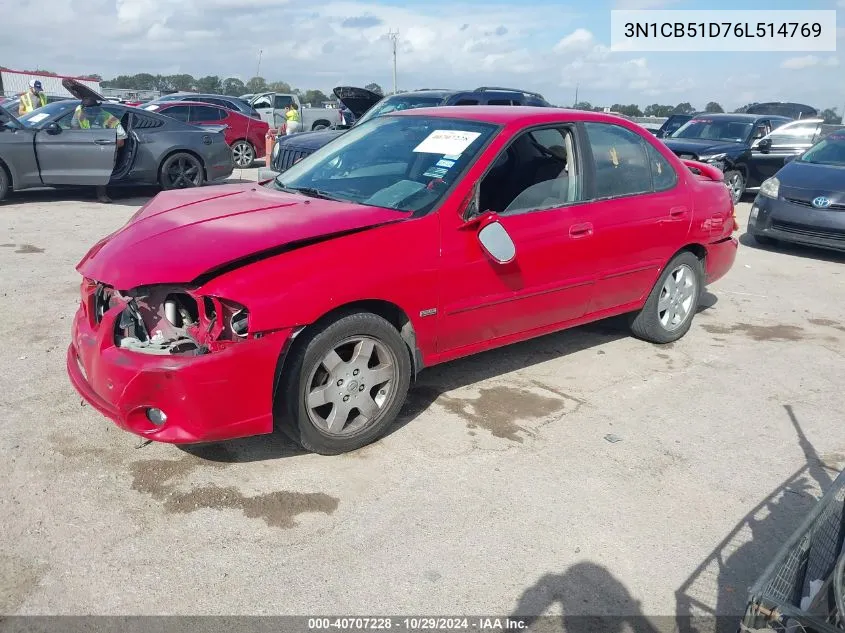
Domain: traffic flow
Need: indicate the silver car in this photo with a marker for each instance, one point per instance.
(42, 149)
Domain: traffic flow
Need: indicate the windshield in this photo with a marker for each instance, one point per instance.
(829, 151)
(38, 116)
(396, 103)
(715, 130)
(396, 162)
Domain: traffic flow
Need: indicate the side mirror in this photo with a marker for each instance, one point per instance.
(497, 243)
(53, 128)
(765, 145)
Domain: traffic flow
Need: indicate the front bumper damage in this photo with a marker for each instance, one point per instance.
(172, 366)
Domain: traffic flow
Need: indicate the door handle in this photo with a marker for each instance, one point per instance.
(577, 231)
(676, 214)
(103, 141)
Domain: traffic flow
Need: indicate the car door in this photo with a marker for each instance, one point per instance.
(639, 213)
(548, 281)
(769, 154)
(75, 157)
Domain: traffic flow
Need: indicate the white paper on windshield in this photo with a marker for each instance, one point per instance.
(451, 142)
(37, 118)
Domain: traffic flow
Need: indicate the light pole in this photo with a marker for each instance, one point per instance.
(393, 37)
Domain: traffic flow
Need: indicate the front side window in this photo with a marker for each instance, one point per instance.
(537, 171)
(405, 163)
(791, 135)
(620, 161)
(828, 151)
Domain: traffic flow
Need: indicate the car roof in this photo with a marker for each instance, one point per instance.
(170, 104)
(504, 115)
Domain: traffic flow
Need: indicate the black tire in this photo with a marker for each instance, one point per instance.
(646, 324)
(4, 183)
(291, 411)
(174, 163)
(736, 183)
(320, 126)
(247, 153)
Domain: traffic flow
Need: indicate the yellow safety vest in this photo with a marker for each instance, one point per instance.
(109, 120)
(26, 100)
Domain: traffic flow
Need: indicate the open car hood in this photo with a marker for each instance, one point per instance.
(81, 91)
(186, 235)
(358, 100)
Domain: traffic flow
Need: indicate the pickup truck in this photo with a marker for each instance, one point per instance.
(271, 107)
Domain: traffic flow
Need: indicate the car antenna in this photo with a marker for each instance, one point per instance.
(249, 121)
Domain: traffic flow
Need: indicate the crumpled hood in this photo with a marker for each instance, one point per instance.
(181, 235)
(702, 147)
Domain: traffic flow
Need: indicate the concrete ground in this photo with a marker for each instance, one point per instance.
(583, 472)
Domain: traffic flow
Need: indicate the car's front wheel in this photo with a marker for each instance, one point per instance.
(668, 311)
(736, 184)
(344, 384)
(4, 183)
(243, 153)
(180, 171)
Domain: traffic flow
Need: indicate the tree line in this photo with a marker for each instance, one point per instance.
(829, 115)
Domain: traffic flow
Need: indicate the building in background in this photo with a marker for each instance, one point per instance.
(14, 83)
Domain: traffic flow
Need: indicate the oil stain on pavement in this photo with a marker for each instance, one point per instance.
(19, 578)
(497, 408)
(29, 248)
(159, 478)
(828, 323)
(760, 332)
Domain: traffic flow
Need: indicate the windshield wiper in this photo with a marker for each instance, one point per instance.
(311, 192)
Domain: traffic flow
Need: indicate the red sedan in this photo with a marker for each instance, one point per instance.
(312, 301)
(244, 135)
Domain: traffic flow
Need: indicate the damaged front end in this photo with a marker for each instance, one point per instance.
(168, 319)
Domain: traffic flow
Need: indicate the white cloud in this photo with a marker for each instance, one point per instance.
(841, 3)
(579, 40)
(808, 61)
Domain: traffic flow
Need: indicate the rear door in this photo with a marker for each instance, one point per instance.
(204, 114)
(639, 215)
(75, 157)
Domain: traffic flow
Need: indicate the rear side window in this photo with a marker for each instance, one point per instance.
(505, 102)
(620, 160)
(177, 112)
(467, 102)
(663, 175)
(205, 113)
(282, 101)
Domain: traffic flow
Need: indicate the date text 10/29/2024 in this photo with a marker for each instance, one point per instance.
(416, 624)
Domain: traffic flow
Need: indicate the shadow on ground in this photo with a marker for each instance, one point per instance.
(796, 250)
(719, 586)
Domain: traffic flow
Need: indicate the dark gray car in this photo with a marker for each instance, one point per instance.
(42, 148)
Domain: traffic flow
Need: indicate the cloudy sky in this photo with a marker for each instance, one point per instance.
(550, 46)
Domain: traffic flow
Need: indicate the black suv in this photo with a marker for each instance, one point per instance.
(724, 140)
(366, 105)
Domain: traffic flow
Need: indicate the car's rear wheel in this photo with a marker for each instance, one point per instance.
(344, 384)
(668, 311)
(4, 183)
(736, 184)
(181, 171)
(243, 153)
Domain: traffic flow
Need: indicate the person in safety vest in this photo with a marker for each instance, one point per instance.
(91, 115)
(32, 98)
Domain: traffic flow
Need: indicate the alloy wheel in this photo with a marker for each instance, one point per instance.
(675, 304)
(351, 386)
(243, 154)
(184, 172)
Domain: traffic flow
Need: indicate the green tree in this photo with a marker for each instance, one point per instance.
(374, 87)
(683, 108)
(210, 84)
(584, 105)
(95, 77)
(233, 87)
(655, 109)
(830, 116)
(314, 97)
(256, 84)
(281, 86)
(628, 110)
(179, 83)
(713, 107)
